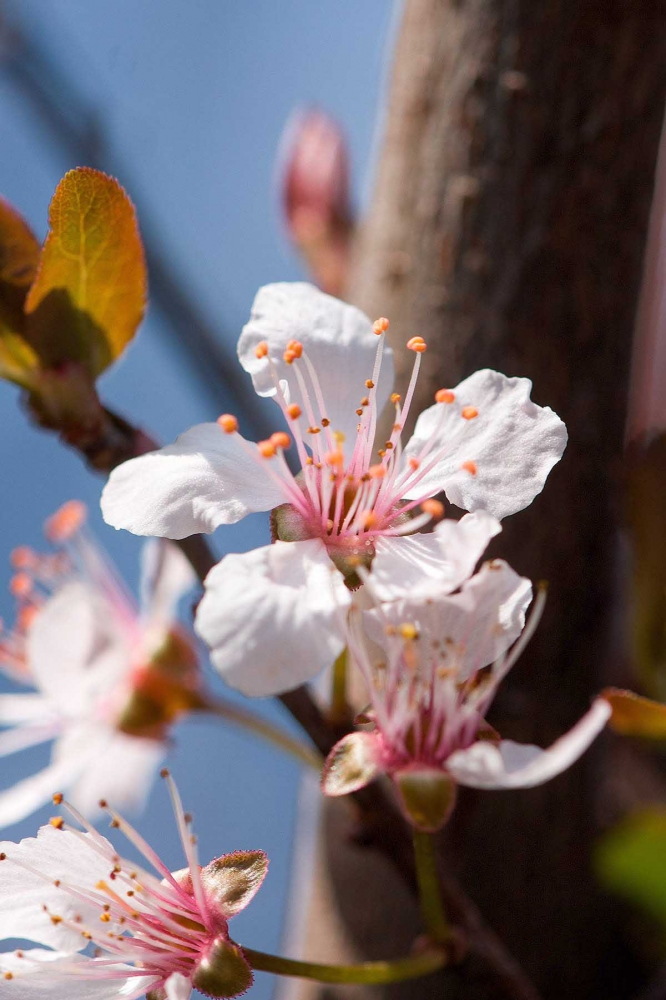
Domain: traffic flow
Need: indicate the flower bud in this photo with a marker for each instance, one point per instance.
(315, 194)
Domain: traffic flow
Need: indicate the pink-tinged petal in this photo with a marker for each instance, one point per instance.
(206, 478)
(26, 796)
(337, 338)
(514, 765)
(353, 763)
(58, 855)
(76, 649)
(37, 973)
(261, 609)
(166, 576)
(435, 563)
(472, 628)
(113, 766)
(232, 881)
(178, 987)
(512, 443)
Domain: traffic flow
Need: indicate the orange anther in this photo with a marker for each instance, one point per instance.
(444, 396)
(395, 398)
(228, 423)
(57, 798)
(296, 348)
(380, 326)
(8, 975)
(57, 822)
(334, 458)
(289, 357)
(408, 630)
(105, 918)
(359, 412)
(314, 430)
(281, 440)
(26, 617)
(469, 412)
(365, 401)
(23, 557)
(369, 518)
(266, 448)
(417, 344)
(66, 521)
(325, 422)
(20, 585)
(294, 411)
(377, 471)
(414, 463)
(470, 467)
(434, 508)
(369, 384)
(261, 350)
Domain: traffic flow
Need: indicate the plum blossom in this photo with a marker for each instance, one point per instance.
(106, 677)
(328, 368)
(153, 931)
(432, 663)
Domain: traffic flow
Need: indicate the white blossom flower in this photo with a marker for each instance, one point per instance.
(106, 676)
(432, 664)
(484, 443)
(153, 932)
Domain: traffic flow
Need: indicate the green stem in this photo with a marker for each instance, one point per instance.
(430, 896)
(339, 710)
(266, 730)
(365, 972)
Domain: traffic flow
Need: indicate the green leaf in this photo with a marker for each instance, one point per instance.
(89, 294)
(631, 861)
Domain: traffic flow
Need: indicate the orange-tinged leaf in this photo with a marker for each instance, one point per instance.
(19, 254)
(634, 715)
(89, 295)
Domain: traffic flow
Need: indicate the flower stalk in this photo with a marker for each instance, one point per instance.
(370, 973)
(430, 897)
(339, 711)
(274, 735)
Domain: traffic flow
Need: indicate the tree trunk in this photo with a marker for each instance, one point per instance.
(507, 229)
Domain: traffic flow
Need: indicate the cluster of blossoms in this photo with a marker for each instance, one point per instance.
(154, 932)
(355, 564)
(106, 677)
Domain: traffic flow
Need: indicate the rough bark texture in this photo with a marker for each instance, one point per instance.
(507, 229)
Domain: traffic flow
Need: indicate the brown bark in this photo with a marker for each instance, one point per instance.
(507, 229)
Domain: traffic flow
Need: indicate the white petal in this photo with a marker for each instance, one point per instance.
(21, 737)
(57, 855)
(513, 442)
(204, 479)
(115, 767)
(475, 626)
(25, 796)
(38, 974)
(77, 649)
(178, 987)
(514, 765)
(272, 616)
(166, 576)
(23, 708)
(337, 338)
(438, 561)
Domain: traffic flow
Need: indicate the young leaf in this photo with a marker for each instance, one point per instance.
(634, 715)
(631, 861)
(89, 294)
(19, 254)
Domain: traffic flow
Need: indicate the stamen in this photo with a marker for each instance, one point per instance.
(294, 411)
(66, 521)
(434, 508)
(281, 440)
(444, 396)
(266, 449)
(380, 326)
(228, 423)
(261, 350)
(416, 344)
(469, 412)
(470, 467)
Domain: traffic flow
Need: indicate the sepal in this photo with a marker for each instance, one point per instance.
(224, 971)
(353, 763)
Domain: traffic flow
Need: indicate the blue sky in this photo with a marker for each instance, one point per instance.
(192, 97)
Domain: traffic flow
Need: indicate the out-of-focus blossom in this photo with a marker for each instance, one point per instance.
(153, 931)
(327, 367)
(107, 678)
(315, 196)
(432, 664)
